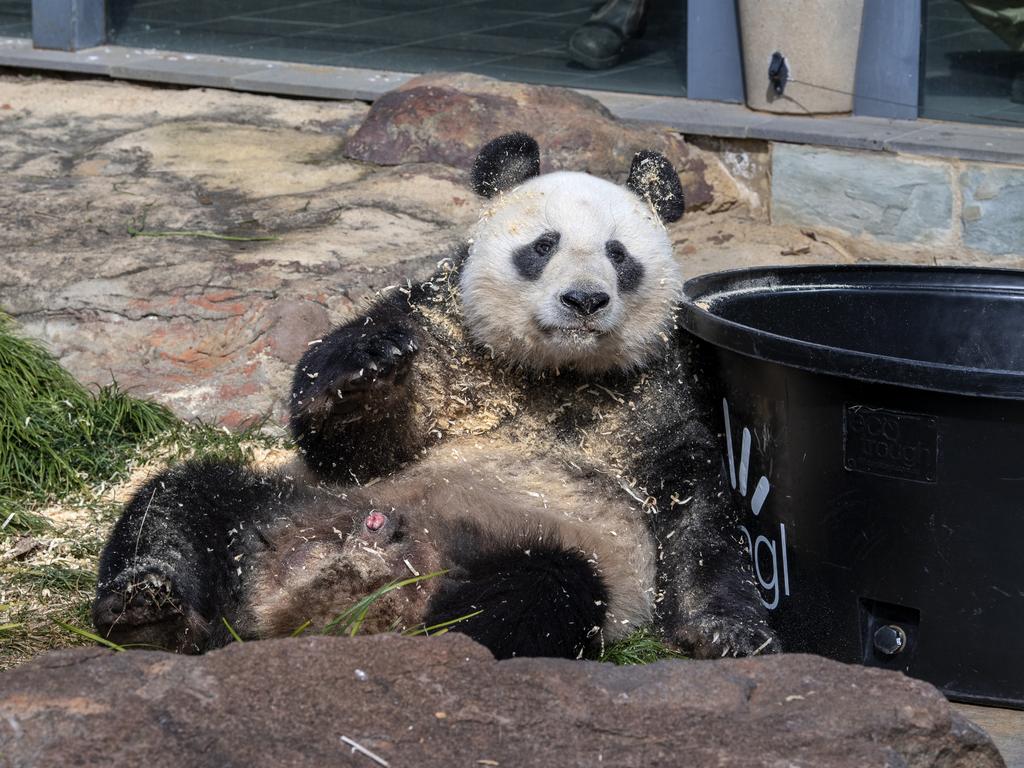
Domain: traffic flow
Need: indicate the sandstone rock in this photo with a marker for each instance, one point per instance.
(446, 118)
(210, 327)
(445, 701)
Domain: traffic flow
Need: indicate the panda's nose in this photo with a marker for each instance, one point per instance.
(585, 302)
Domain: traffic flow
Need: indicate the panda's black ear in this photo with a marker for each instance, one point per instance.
(504, 163)
(653, 178)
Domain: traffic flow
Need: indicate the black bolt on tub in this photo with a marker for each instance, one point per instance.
(873, 430)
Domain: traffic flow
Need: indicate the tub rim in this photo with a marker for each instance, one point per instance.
(702, 322)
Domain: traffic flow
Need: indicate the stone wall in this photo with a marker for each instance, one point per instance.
(888, 205)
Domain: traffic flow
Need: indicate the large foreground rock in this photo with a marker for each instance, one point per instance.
(446, 702)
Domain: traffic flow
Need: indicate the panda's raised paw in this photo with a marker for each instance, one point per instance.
(364, 359)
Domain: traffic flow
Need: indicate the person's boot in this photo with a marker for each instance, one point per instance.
(597, 44)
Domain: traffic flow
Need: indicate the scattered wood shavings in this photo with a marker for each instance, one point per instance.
(357, 747)
(762, 646)
(25, 545)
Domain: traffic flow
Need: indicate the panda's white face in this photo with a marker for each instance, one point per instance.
(570, 271)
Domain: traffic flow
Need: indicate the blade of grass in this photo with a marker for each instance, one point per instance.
(89, 635)
(443, 625)
(141, 231)
(384, 590)
(302, 628)
(352, 618)
(231, 630)
(133, 232)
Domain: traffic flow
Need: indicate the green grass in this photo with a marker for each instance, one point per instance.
(350, 621)
(64, 445)
(57, 437)
(184, 441)
(640, 647)
(90, 636)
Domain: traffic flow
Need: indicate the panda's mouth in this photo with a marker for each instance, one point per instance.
(571, 333)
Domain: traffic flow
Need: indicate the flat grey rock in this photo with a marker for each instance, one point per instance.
(993, 208)
(891, 199)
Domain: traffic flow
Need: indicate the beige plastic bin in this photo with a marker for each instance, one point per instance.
(819, 39)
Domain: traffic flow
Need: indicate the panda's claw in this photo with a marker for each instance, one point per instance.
(359, 367)
(710, 637)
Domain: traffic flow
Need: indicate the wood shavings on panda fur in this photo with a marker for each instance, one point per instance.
(529, 420)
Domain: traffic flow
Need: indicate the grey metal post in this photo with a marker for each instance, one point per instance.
(68, 25)
(888, 62)
(714, 62)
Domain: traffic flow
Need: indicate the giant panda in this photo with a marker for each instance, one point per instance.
(528, 422)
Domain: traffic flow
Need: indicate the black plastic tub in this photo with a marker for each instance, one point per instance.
(872, 423)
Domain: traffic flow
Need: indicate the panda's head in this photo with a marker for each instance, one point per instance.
(566, 270)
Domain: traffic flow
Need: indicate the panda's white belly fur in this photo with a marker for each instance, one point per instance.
(483, 480)
(486, 479)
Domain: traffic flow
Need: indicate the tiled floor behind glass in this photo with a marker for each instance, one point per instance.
(969, 70)
(523, 40)
(15, 18)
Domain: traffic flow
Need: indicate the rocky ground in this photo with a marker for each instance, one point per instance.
(354, 200)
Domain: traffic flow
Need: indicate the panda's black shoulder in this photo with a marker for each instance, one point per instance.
(439, 286)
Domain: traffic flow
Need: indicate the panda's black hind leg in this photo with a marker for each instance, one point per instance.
(710, 606)
(175, 566)
(144, 608)
(351, 399)
(519, 594)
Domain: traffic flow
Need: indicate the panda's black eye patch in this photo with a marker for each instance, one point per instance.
(629, 271)
(616, 251)
(545, 245)
(530, 259)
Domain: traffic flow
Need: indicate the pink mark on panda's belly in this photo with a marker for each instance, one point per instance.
(375, 521)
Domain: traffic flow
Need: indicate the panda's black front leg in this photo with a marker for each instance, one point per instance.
(351, 397)
(710, 605)
(174, 566)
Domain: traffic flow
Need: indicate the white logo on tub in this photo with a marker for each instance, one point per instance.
(769, 550)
